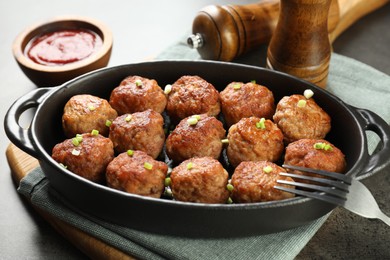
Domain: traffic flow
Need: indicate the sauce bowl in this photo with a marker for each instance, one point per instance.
(49, 76)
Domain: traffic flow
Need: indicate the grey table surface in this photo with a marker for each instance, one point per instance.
(25, 235)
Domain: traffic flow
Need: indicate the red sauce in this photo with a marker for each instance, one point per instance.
(63, 47)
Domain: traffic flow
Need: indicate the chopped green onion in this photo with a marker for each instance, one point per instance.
(192, 121)
(148, 166)
(190, 165)
(261, 123)
(229, 187)
(91, 107)
(229, 201)
(167, 182)
(108, 123)
(267, 169)
(95, 132)
(168, 192)
(198, 117)
(138, 83)
(76, 152)
(128, 118)
(75, 141)
(130, 152)
(301, 103)
(63, 165)
(322, 146)
(168, 89)
(253, 81)
(225, 141)
(237, 86)
(308, 93)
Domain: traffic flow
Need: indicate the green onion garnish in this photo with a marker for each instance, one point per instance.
(253, 81)
(167, 182)
(229, 187)
(190, 165)
(168, 89)
(322, 146)
(138, 83)
(301, 103)
(63, 165)
(76, 152)
(308, 93)
(237, 86)
(148, 166)
(75, 141)
(130, 152)
(267, 169)
(192, 121)
(108, 123)
(128, 118)
(91, 107)
(229, 201)
(261, 123)
(95, 132)
(225, 141)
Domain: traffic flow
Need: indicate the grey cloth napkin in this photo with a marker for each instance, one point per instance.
(355, 83)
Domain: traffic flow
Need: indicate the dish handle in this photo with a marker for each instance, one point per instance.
(18, 135)
(379, 159)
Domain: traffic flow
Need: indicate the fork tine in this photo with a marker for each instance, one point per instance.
(337, 184)
(335, 175)
(328, 190)
(314, 195)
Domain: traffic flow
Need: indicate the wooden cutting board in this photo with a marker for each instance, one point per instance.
(21, 164)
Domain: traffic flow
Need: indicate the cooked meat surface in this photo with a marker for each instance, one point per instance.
(301, 118)
(316, 154)
(198, 138)
(137, 173)
(142, 131)
(200, 180)
(255, 181)
(254, 139)
(192, 95)
(240, 100)
(86, 155)
(84, 113)
(137, 94)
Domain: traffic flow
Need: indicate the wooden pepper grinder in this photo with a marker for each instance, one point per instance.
(300, 44)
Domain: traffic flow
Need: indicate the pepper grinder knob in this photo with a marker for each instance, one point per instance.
(300, 45)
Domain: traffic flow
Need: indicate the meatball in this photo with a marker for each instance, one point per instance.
(84, 113)
(138, 131)
(137, 173)
(195, 136)
(254, 139)
(316, 154)
(239, 100)
(255, 181)
(201, 180)
(192, 95)
(301, 118)
(86, 155)
(136, 94)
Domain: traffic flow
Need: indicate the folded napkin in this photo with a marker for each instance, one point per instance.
(352, 81)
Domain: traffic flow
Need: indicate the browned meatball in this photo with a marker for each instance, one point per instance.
(137, 173)
(239, 100)
(192, 95)
(254, 139)
(84, 113)
(300, 118)
(201, 180)
(86, 155)
(195, 136)
(255, 181)
(136, 94)
(138, 131)
(316, 154)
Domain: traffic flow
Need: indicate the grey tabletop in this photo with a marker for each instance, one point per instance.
(25, 235)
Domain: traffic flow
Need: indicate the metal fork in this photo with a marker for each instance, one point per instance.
(337, 189)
